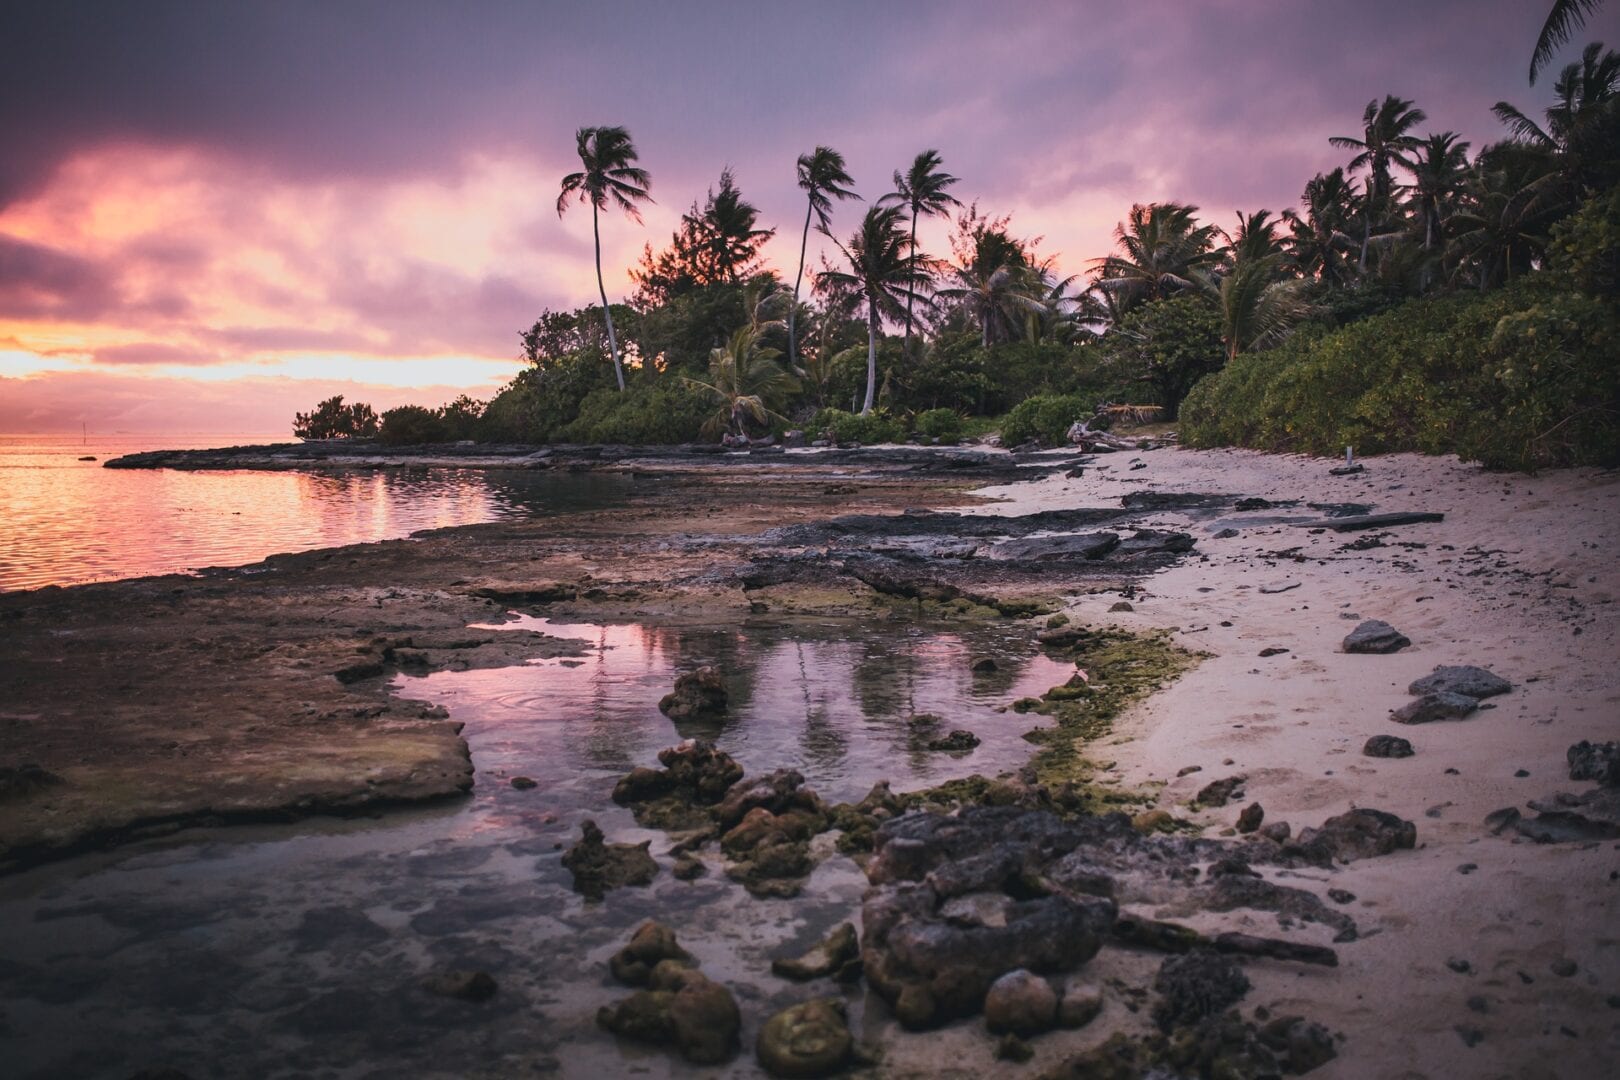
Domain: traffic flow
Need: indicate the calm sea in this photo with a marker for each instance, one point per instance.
(64, 521)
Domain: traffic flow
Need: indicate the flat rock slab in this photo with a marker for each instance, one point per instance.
(1430, 707)
(1074, 546)
(1375, 636)
(1475, 682)
(1370, 521)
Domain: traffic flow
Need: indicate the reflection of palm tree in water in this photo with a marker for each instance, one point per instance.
(822, 742)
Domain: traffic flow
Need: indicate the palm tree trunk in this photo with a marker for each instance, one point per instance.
(871, 356)
(613, 341)
(793, 312)
(913, 249)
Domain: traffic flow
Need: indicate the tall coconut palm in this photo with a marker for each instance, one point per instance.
(1566, 17)
(823, 178)
(1320, 237)
(1386, 140)
(1503, 224)
(921, 189)
(1439, 172)
(609, 175)
(886, 271)
(728, 243)
(1160, 245)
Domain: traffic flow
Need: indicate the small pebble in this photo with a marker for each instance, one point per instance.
(1522, 773)
(1467, 868)
(524, 783)
(1459, 965)
(1471, 1036)
(1343, 896)
(1564, 967)
(1453, 772)
(1478, 1004)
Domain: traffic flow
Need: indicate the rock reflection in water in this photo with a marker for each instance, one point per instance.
(300, 950)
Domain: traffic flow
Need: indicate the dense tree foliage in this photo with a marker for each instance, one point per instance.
(1421, 263)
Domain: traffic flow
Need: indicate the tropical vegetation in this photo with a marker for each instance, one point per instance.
(1425, 294)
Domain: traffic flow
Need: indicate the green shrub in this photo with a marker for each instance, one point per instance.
(1515, 379)
(845, 427)
(942, 424)
(1045, 418)
(658, 415)
(412, 425)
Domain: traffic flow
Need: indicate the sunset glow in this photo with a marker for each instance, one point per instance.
(235, 258)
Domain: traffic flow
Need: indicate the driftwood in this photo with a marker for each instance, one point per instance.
(1369, 521)
(1175, 938)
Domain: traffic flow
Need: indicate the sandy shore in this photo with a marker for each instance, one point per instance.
(1520, 578)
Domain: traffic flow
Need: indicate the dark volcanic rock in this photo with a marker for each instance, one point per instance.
(806, 1040)
(650, 945)
(1174, 500)
(683, 1007)
(1474, 682)
(695, 777)
(1562, 818)
(1441, 705)
(472, 986)
(835, 955)
(1220, 792)
(598, 866)
(1371, 521)
(1022, 1003)
(1387, 746)
(1356, 834)
(1194, 986)
(779, 792)
(958, 740)
(1251, 818)
(697, 693)
(1587, 761)
(1375, 636)
(24, 780)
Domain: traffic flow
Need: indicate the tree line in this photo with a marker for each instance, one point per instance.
(713, 342)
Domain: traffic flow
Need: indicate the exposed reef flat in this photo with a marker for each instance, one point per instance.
(263, 692)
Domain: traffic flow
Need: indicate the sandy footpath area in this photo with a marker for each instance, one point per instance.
(1521, 578)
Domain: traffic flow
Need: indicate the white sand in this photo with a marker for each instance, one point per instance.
(1542, 614)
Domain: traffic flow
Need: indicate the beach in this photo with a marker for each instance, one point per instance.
(289, 692)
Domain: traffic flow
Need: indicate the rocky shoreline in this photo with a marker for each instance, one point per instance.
(1039, 900)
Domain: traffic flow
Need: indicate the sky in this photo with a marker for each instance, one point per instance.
(215, 214)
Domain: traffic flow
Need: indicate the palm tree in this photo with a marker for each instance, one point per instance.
(994, 281)
(1566, 17)
(1439, 172)
(823, 178)
(728, 242)
(1259, 305)
(607, 154)
(1319, 239)
(1256, 237)
(921, 189)
(1385, 141)
(1576, 137)
(884, 270)
(1503, 224)
(1160, 245)
(745, 381)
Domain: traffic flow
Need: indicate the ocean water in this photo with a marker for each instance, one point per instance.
(65, 521)
(297, 950)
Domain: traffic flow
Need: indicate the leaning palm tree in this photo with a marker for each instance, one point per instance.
(745, 382)
(607, 154)
(1439, 172)
(1160, 245)
(1566, 17)
(1577, 138)
(823, 178)
(885, 271)
(1386, 140)
(921, 189)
